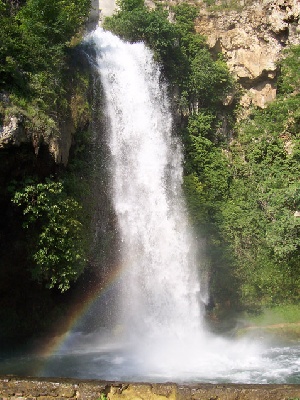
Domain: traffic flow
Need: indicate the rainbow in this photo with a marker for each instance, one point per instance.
(52, 345)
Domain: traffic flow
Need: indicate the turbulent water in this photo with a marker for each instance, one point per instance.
(159, 333)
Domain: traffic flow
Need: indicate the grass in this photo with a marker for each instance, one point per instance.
(282, 322)
(285, 314)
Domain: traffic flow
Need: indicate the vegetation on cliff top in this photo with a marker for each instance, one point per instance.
(35, 47)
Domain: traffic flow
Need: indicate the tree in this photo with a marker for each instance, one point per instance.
(58, 241)
(289, 81)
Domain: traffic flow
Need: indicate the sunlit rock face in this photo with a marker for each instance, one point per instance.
(12, 131)
(252, 40)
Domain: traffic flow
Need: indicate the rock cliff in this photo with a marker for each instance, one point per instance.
(13, 133)
(252, 39)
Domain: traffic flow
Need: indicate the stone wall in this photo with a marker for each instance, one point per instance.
(14, 388)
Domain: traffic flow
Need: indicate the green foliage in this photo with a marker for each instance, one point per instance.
(135, 22)
(289, 81)
(209, 81)
(58, 248)
(258, 219)
(259, 223)
(52, 23)
(206, 168)
(210, 166)
(195, 193)
(35, 59)
(204, 82)
(226, 5)
(34, 41)
(9, 47)
(130, 5)
(185, 15)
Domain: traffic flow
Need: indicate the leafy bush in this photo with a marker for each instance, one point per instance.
(258, 218)
(56, 233)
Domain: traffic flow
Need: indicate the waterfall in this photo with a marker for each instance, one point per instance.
(153, 329)
(160, 283)
(159, 332)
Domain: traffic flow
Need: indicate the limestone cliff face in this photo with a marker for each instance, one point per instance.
(252, 40)
(14, 133)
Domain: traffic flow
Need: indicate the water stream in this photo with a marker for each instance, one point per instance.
(159, 333)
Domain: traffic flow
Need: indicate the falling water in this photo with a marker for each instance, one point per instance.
(161, 290)
(161, 302)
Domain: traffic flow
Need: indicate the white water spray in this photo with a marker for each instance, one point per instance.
(161, 291)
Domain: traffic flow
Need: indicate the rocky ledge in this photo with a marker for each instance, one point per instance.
(14, 133)
(15, 388)
(252, 39)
